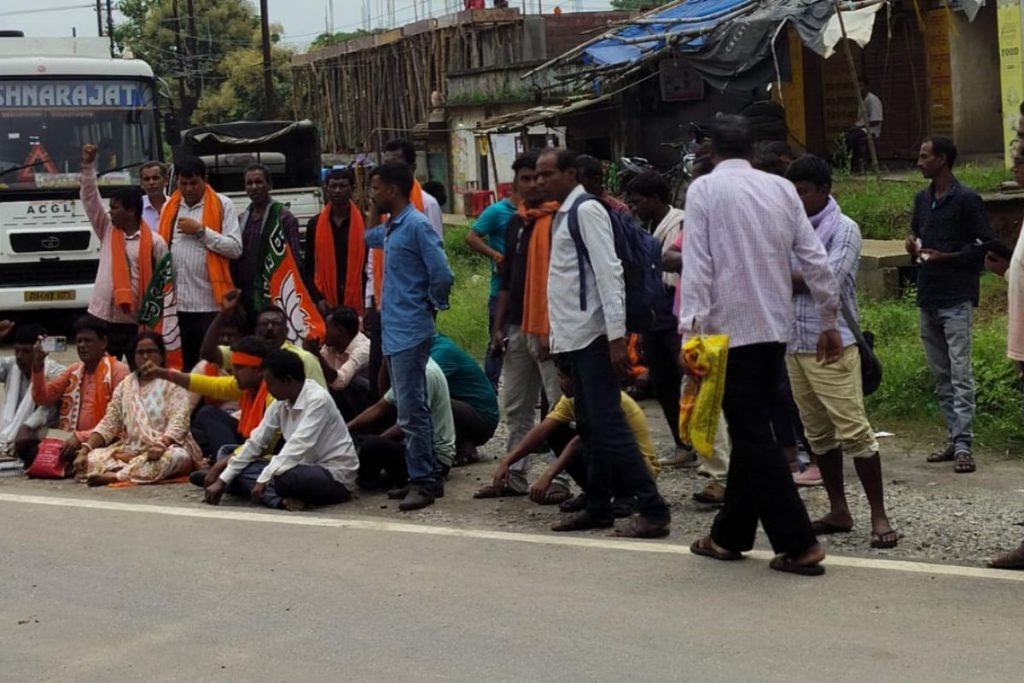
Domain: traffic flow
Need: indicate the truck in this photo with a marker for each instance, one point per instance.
(57, 94)
(289, 149)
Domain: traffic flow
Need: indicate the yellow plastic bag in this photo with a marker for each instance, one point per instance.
(700, 401)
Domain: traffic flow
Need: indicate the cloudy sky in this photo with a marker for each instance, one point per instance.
(303, 20)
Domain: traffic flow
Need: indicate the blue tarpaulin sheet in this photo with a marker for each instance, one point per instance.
(697, 15)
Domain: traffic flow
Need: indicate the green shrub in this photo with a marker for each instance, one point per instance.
(466, 320)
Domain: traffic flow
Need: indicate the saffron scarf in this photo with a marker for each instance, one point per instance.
(325, 270)
(71, 401)
(119, 262)
(377, 254)
(253, 405)
(538, 260)
(213, 216)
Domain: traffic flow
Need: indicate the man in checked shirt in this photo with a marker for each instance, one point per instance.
(742, 228)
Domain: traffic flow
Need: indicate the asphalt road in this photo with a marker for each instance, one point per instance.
(96, 591)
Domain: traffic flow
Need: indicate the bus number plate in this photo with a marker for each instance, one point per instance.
(56, 295)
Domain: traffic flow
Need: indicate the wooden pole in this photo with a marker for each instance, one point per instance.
(856, 88)
(494, 163)
(268, 74)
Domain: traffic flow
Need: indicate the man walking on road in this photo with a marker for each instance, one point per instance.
(593, 339)
(948, 225)
(416, 284)
(742, 226)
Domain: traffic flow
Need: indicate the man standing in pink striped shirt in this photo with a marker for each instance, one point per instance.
(742, 227)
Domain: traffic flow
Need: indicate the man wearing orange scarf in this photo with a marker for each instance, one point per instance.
(220, 434)
(521, 326)
(84, 389)
(335, 263)
(128, 250)
(201, 229)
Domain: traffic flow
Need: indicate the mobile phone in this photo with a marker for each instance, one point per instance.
(55, 344)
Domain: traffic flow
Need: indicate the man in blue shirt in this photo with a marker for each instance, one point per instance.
(417, 281)
(491, 224)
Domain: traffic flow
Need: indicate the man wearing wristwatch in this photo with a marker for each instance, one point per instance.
(201, 228)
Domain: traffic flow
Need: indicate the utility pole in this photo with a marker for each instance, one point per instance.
(110, 26)
(99, 18)
(268, 76)
(194, 67)
(181, 62)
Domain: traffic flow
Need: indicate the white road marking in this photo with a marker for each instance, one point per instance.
(375, 524)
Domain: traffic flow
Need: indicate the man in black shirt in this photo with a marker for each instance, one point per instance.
(949, 224)
(336, 278)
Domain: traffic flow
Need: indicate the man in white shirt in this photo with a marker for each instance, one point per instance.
(344, 358)
(22, 422)
(199, 252)
(153, 176)
(742, 228)
(592, 338)
(856, 137)
(317, 464)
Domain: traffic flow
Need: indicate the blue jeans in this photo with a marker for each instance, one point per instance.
(493, 362)
(615, 467)
(408, 370)
(946, 333)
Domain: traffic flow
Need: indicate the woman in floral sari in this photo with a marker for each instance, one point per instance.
(144, 437)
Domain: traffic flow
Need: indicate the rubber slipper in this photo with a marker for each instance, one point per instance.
(822, 528)
(705, 549)
(785, 563)
(643, 527)
(886, 540)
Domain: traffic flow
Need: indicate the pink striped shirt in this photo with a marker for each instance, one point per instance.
(742, 226)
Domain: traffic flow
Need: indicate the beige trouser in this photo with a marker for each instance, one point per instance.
(523, 376)
(831, 403)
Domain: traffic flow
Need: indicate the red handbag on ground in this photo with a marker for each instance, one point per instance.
(48, 464)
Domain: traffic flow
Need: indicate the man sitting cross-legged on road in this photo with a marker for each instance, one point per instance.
(245, 385)
(382, 460)
(558, 431)
(23, 422)
(344, 358)
(317, 464)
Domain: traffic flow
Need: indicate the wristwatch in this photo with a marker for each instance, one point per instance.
(200, 233)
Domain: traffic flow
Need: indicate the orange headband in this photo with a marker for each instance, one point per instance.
(245, 359)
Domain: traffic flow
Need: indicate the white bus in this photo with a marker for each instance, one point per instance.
(57, 94)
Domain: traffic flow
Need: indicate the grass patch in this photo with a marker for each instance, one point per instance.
(466, 320)
(906, 395)
(882, 208)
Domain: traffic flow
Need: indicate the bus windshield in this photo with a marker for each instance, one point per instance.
(44, 123)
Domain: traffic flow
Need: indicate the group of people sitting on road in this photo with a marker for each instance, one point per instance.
(382, 401)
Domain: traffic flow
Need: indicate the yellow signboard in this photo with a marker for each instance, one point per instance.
(1011, 80)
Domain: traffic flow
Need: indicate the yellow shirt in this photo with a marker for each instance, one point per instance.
(565, 412)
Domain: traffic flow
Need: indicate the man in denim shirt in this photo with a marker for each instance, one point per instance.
(417, 281)
(949, 223)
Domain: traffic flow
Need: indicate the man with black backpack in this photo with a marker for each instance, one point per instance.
(587, 307)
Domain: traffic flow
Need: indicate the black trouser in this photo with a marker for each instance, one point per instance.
(311, 484)
(193, 328)
(785, 416)
(119, 338)
(379, 456)
(759, 485)
(661, 351)
(471, 426)
(615, 466)
(577, 467)
(857, 143)
(371, 324)
(213, 428)
(355, 398)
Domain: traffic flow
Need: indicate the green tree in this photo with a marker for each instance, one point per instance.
(207, 60)
(328, 39)
(638, 4)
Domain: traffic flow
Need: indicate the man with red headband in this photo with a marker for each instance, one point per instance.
(245, 385)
